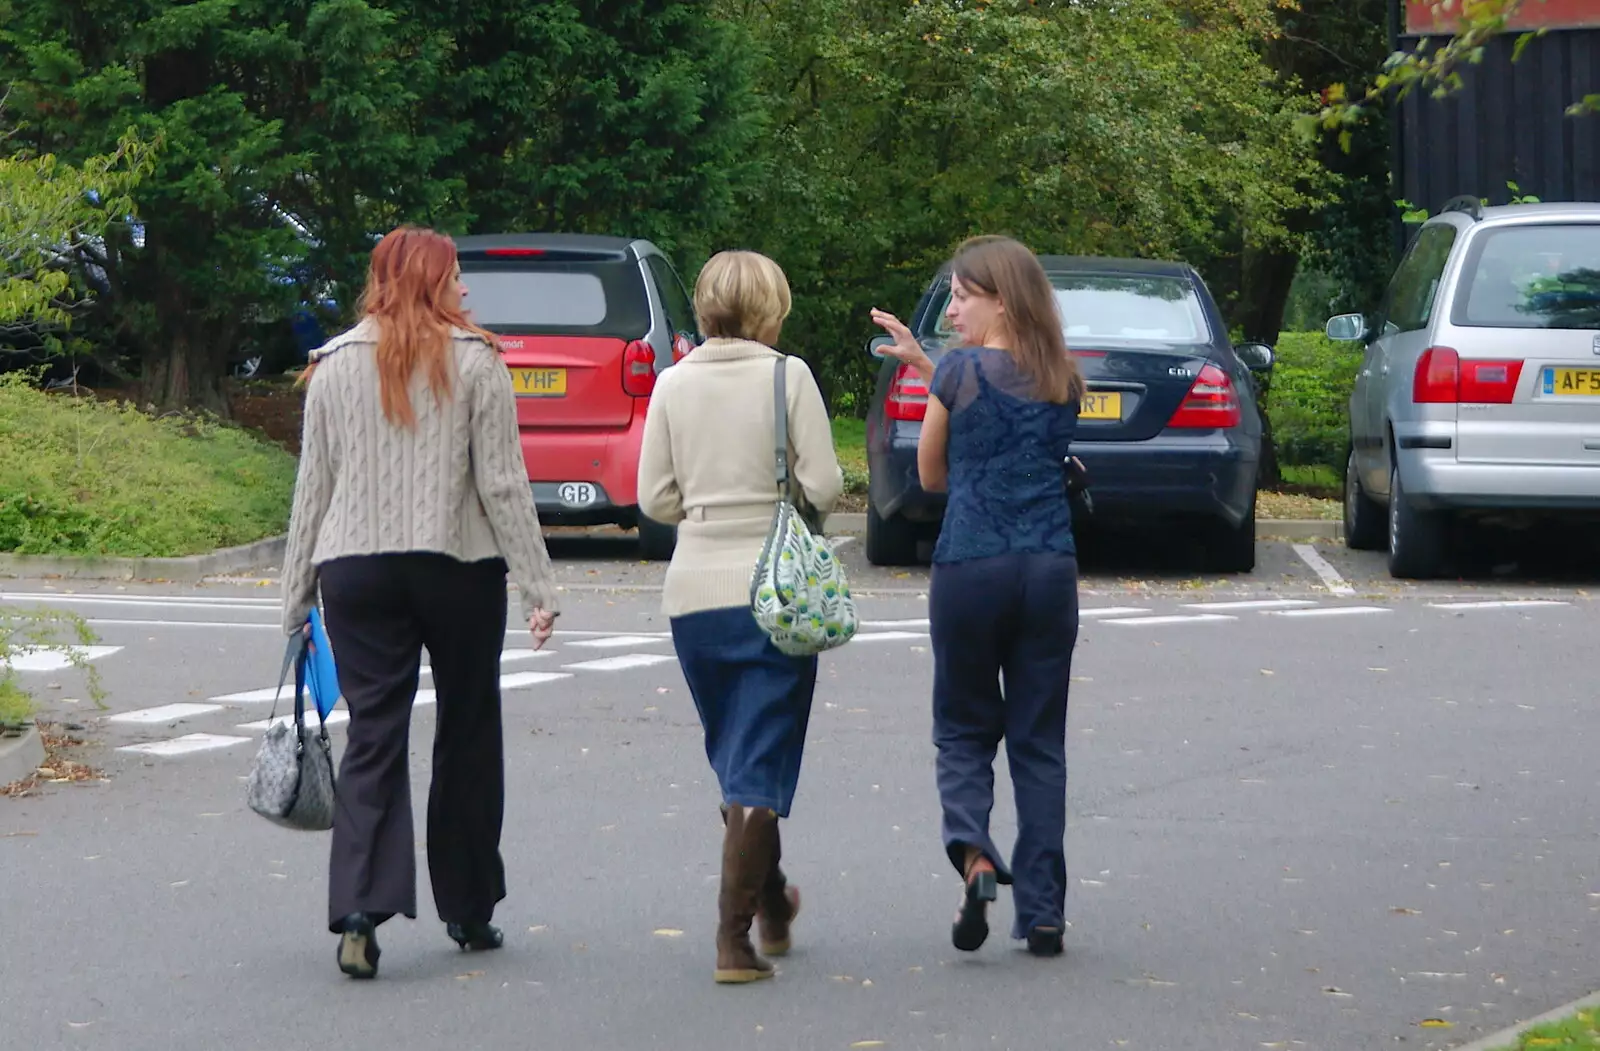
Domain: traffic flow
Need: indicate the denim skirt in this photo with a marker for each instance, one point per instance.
(754, 703)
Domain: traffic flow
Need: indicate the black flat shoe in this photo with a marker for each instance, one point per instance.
(1045, 941)
(358, 946)
(475, 937)
(971, 928)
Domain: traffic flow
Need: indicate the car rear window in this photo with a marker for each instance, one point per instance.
(1543, 276)
(592, 298)
(1122, 307)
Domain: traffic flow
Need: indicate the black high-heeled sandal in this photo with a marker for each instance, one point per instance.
(475, 937)
(971, 928)
(1046, 941)
(358, 946)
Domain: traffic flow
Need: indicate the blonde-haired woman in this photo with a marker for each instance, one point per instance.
(411, 503)
(708, 465)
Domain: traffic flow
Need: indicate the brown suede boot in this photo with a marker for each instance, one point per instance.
(745, 859)
(779, 905)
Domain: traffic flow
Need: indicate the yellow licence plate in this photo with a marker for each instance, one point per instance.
(539, 383)
(1572, 381)
(1101, 405)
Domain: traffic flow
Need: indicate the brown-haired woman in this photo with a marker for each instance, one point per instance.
(1003, 602)
(412, 501)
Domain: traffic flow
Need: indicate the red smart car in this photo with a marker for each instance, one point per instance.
(587, 323)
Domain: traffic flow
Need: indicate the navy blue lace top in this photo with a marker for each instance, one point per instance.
(1007, 488)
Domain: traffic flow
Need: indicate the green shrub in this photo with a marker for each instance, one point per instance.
(1309, 398)
(81, 477)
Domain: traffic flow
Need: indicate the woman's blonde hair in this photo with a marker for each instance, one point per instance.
(742, 295)
(1003, 267)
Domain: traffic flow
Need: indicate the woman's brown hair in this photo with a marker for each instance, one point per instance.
(411, 294)
(1004, 268)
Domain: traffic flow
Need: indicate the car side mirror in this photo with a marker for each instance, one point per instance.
(1257, 357)
(1347, 328)
(876, 344)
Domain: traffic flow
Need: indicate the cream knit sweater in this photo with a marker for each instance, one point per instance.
(456, 484)
(707, 465)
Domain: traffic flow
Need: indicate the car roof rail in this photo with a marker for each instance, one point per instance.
(1465, 203)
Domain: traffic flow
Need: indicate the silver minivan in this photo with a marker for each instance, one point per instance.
(1479, 392)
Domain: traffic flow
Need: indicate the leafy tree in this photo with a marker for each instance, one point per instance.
(293, 131)
(47, 209)
(901, 126)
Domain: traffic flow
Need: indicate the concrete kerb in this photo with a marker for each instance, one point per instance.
(20, 756)
(189, 570)
(1507, 1038)
(1277, 529)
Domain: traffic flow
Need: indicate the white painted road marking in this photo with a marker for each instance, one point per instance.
(1499, 604)
(1324, 569)
(1329, 611)
(1267, 603)
(1180, 618)
(621, 663)
(887, 636)
(921, 623)
(618, 641)
(34, 659)
(185, 745)
(165, 713)
(335, 717)
(1110, 611)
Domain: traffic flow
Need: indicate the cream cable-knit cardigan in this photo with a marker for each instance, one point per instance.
(707, 465)
(456, 484)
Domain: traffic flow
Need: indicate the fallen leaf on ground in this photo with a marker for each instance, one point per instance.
(667, 932)
(1400, 910)
(868, 1043)
(469, 974)
(1436, 1023)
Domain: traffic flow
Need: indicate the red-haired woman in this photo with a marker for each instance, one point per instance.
(411, 504)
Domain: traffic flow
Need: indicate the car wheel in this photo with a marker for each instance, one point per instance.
(1233, 547)
(1363, 516)
(656, 541)
(890, 541)
(1416, 537)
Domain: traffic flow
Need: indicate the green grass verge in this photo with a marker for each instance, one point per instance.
(15, 705)
(850, 443)
(1580, 1032)
(81, 477)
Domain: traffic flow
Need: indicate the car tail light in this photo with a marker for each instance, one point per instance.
(1443, 378)
(512, 253)
(639, 369)
(1211, 402)
(908, 395)
(681, 347)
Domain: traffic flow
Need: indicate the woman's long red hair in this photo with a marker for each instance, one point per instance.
(411, 294)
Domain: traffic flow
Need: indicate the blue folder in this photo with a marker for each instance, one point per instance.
(322, 679)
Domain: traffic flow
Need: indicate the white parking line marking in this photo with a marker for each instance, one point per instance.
(335, 717)
(1189, 618)
(184, 745)
(922, 623)
(1110, 611)
(34, 659)
(887, 636)
(181, 624)
(1255, 603)
(518, 680)
(1499, 604)
(165, 713)
(620, 663)
(1329, 611)
(271, 693)
(618, 641)
(1322, 568)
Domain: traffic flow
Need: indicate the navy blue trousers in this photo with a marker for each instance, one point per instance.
(1003, 631)
(753, 700)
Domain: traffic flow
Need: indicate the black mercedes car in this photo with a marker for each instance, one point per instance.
(1170, 428)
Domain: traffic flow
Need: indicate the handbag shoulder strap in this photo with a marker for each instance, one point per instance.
(780, 415)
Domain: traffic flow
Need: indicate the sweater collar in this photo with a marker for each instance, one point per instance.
(720, 349)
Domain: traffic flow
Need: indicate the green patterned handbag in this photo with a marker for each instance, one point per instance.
(798, 594)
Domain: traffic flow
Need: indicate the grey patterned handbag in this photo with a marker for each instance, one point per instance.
(291, 783)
